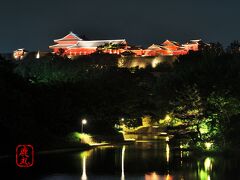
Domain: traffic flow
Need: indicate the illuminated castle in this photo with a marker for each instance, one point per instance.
(172, 48)
(71, 45)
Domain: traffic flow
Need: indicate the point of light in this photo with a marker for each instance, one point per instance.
(155, 62)
(84, 121)
(208, 145)
(38, 55)
(167, 138)
(168, 177)
(167, 118)
(163, 133)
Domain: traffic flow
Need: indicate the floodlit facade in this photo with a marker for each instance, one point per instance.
(72, 45)
(172, 48)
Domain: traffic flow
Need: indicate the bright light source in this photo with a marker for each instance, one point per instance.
(208, 145)
(123, 156)
(208, 164)
(167, 152)
(167, 139)
(163, 133)
(84, 121)
(122, 119)
(84, 172)
(167, 118)
(38, 55)
(155, 62)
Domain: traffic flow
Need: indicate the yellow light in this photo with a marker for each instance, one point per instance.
(208, 164)
(167, 118)
(155, 62)
(167, 152)
(167, 138)
(208, 145)
(163, 133)
(168, 177)
(203, 175)
(85, 138)
(152, 176)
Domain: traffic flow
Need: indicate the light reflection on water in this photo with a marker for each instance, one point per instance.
(84, 174)
(123, 156)
(148, 160)
(206, 171)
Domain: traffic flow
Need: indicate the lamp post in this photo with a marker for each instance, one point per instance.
(84, 121)
(122, 121)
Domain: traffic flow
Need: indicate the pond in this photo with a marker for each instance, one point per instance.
(141, 160)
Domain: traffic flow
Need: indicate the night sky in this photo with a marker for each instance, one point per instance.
(33, 24)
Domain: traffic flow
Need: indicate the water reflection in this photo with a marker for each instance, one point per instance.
(208, 164)
(123, 156)
(155, 176)
(205, 172)
(167, 153)
(84, 174)
(181, 155)
(148, 160)
(83, 157)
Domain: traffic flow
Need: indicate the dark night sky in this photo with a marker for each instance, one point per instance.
(33, 24)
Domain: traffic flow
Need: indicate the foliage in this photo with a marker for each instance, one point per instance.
(188, 109)
(221, 110)
(44, 99)
(234, 47)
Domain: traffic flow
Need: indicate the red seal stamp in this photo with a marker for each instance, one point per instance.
(24, 156)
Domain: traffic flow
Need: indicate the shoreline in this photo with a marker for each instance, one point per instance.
(84, 147)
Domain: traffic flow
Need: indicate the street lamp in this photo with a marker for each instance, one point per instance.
(84, 121)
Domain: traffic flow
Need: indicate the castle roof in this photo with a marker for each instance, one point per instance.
(70, 37)
(172, 43)
(154, 46)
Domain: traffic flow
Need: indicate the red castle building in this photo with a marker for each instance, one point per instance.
(72, 45)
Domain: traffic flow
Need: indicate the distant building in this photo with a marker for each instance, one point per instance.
(192, 45)
(19, 54)
(72, 45)
(167, 48)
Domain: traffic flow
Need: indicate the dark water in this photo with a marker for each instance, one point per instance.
(148, 160)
